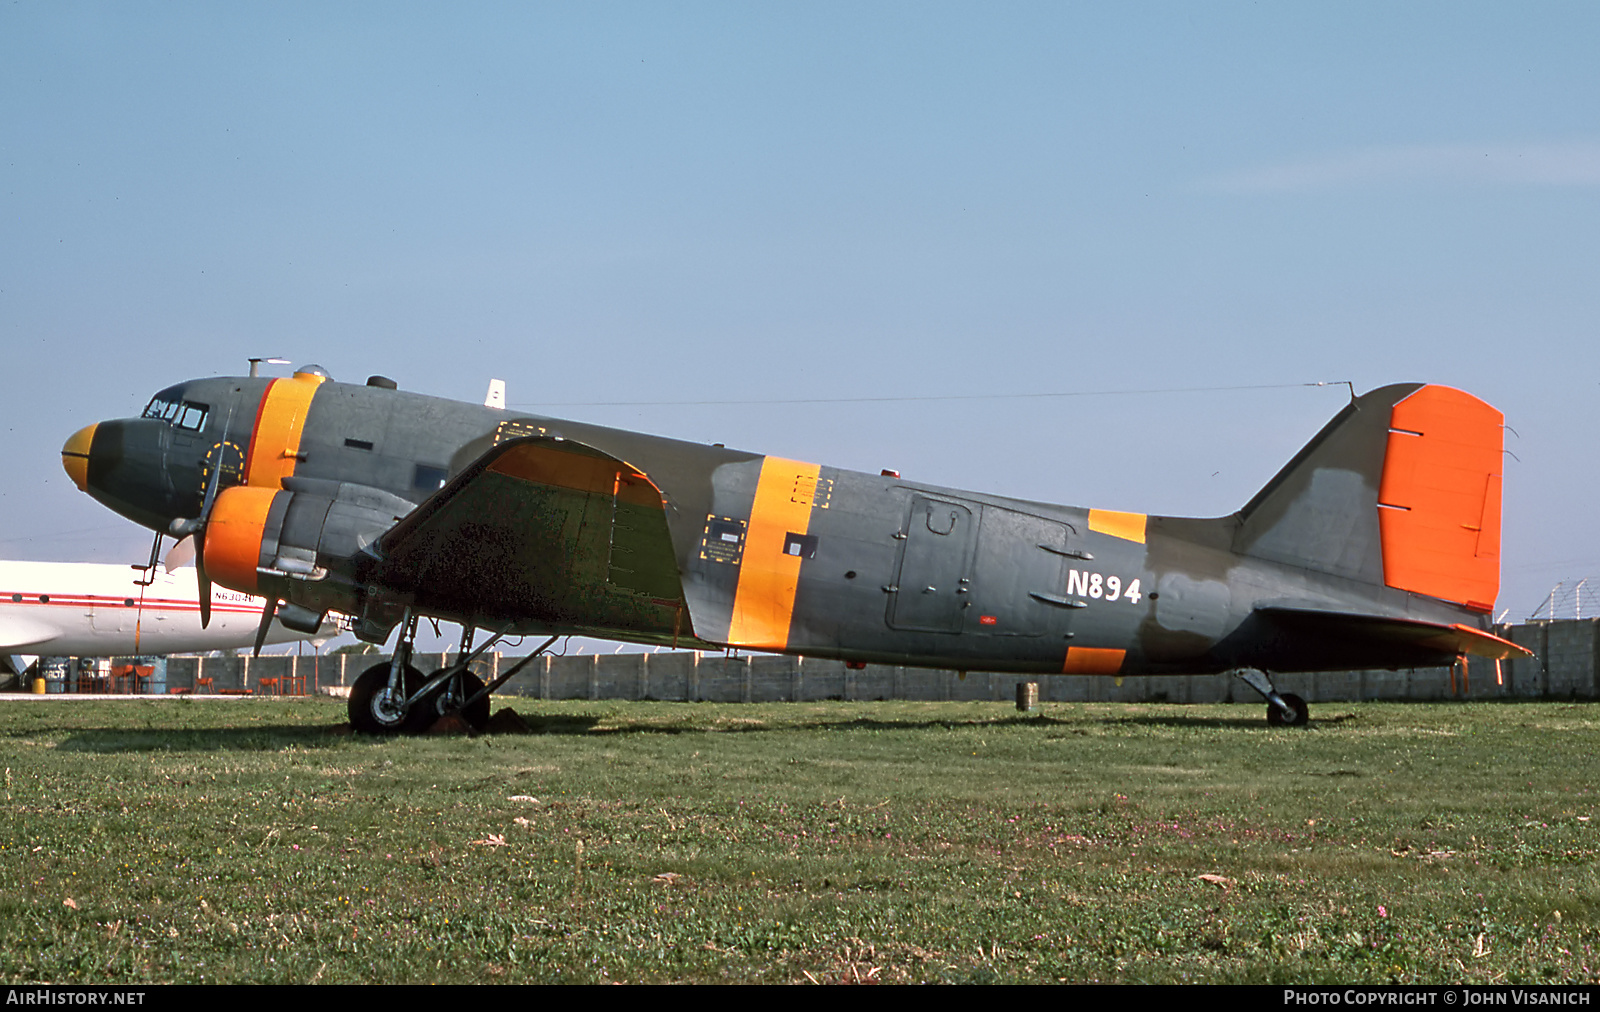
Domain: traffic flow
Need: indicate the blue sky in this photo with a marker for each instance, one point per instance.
(613, 204)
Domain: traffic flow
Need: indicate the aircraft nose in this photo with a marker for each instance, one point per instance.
(75, 456)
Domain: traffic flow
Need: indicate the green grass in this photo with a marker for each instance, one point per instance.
(638, 842)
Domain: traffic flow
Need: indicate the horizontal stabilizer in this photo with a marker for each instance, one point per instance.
(1444, 639)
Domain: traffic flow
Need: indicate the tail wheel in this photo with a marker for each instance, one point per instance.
(448, 699)
(373, 710)
(1298, 716)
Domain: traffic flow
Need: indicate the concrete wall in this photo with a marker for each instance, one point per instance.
(1568, 656)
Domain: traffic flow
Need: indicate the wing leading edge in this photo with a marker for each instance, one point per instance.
(544, 532)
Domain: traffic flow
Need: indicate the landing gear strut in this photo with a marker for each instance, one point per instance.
(375, 708)
(1286, 710)
(381, 698)
(395, 697)
(453, 691)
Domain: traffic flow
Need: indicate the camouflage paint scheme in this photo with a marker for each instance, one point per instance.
(369, 500)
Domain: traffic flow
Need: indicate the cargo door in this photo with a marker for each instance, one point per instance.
(930, 592)
(1017, 580)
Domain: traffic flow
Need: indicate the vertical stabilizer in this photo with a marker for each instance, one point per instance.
(1401, 489)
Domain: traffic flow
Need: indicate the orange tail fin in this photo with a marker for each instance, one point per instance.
(1401, 489)
(1439, 501)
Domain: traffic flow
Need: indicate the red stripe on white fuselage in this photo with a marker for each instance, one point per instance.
(81, 609)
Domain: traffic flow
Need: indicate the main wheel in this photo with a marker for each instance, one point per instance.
(448, 698)
(1298, 718)
(478, 713)
(372, 709)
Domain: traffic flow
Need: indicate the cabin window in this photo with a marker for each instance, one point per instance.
(802, 546)
(429, 479)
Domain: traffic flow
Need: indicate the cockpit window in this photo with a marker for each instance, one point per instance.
(169, 406)
(192, 416)
(161, 407)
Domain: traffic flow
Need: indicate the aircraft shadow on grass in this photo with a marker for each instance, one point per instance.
(255, 738)
(274, 737)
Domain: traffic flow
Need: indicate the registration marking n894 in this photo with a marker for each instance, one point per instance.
(1083, 583)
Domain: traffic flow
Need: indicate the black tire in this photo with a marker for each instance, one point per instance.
(369, 712)
(478, 713)
(445, 700)
(1302, 713)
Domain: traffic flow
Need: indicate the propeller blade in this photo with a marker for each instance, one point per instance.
(266, 622)
(211, 490)
(197, 527)
(204, 577)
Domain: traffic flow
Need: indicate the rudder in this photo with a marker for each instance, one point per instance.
(1439, 503)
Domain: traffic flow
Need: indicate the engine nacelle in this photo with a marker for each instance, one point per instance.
(235, 534)
(302, 544)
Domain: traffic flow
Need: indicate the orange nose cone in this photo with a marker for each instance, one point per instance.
(75, 457)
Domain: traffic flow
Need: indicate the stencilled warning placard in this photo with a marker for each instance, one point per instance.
(723, 540)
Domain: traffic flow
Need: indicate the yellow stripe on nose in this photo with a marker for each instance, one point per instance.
(75, 456)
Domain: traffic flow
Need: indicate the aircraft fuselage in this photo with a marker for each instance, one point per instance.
(656, 540)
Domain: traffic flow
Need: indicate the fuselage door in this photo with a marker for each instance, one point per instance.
(1017, 577)
(932, 581)
(107, 616)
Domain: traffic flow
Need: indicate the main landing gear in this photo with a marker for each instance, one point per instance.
(395, 697)
(1285, 710)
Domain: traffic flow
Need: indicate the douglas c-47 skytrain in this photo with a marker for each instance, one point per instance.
(1377, 546)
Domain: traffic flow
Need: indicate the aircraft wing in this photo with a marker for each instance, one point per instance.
(546, 531)
(1439, 637)
(17, 632)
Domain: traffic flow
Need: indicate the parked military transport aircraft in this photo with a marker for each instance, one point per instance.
(79, 609)
(1376, 546)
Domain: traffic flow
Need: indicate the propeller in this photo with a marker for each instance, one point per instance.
(197, 527)
(205, 578)
(290, 616)
(266, 622)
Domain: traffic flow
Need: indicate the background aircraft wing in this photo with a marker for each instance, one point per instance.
(17, 632)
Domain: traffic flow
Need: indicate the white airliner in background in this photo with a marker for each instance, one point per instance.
(81, 609)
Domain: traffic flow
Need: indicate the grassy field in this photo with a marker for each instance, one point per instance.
(892, 842)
